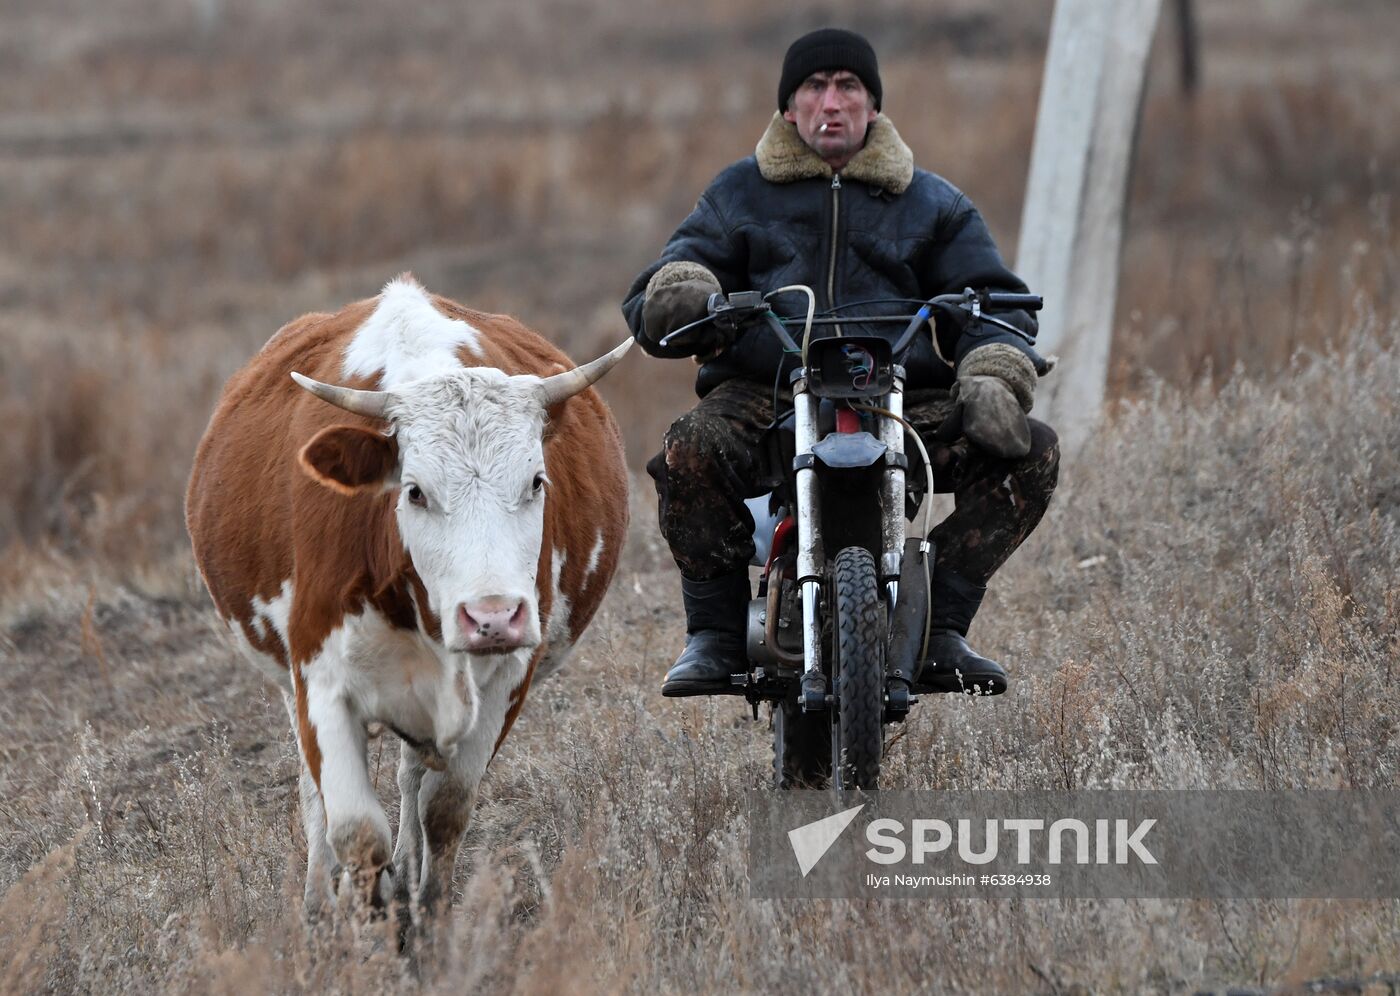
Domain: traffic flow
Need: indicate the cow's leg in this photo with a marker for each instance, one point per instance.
(320, 859)
(446, 798)
(444, 806)
(408, 848)
(355, 822)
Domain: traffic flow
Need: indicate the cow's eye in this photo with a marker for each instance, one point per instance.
(416, 496)
(540, 481)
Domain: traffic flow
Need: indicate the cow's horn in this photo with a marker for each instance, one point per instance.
(370, 403)
(570, 382)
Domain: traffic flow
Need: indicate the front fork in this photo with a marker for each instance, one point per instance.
(811, 555)
(892, 501)
(811, 558)
(892, 529)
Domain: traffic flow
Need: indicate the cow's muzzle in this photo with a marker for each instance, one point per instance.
(492, 624)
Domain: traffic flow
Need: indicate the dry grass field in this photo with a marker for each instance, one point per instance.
(1213, 600)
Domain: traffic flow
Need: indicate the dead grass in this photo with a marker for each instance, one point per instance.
(1212, 601)
(1240, 631)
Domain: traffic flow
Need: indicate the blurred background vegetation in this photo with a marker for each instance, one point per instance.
(178, 178)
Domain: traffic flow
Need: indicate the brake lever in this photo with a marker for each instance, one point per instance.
(1030, 339)
(666, 340)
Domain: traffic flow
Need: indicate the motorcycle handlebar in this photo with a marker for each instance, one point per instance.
(743, 307)
(1001, 299)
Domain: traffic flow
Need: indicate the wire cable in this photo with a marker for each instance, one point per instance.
(811, 311)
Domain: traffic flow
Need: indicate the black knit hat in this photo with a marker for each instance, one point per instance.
(829, 49)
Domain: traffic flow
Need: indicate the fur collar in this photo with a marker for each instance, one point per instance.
(884, 162)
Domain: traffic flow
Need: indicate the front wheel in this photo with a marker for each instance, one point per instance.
(858, 733)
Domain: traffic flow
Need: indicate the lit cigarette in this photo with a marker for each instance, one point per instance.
(824, 127)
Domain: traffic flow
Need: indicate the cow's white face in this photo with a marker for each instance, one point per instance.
(465, 452)
(471, 491)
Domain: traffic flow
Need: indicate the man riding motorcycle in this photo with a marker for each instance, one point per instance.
(831, 199)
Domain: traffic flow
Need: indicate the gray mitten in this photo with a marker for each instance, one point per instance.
(996, 386)
(992, 419)
(676, 296)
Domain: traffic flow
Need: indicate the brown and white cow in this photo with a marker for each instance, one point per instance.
(415, 564)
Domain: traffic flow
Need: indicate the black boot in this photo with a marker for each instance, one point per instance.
(951, 665)
(716, 616)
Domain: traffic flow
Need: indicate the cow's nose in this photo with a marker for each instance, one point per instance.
(492, 623)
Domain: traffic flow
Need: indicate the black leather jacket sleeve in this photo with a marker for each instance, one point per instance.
(702, 238)
(966, 256)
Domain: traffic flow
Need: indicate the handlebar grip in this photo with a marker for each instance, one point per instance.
(1000, 299)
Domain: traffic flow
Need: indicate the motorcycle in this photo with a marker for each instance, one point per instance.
(840, 622)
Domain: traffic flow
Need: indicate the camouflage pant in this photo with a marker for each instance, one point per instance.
(712, 461)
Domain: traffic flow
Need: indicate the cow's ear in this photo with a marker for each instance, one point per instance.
(553, 419)
(351, 460)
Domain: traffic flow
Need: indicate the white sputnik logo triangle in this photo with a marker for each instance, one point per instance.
(811, 841)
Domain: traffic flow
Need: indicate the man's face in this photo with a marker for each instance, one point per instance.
(840, 101)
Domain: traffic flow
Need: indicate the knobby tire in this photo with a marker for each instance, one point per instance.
(858, 740)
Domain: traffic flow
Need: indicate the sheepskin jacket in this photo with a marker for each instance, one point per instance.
(879, 229)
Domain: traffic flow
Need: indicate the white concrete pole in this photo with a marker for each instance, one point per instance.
(1072, 223)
